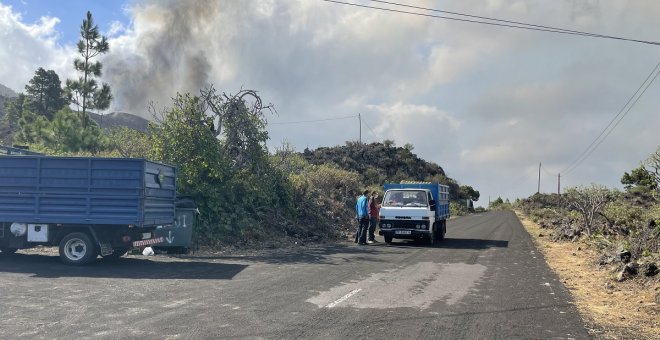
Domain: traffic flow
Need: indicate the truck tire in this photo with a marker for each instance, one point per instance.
(444, 228)
(441, 232)
(78, 249)
(117, 253)
(388, 239)
(431, 237)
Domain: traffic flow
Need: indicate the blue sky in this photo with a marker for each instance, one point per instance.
(71, 13)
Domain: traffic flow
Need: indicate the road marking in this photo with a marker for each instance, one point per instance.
(343, 298)
(416, 286)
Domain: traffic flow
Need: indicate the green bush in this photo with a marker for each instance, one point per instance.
(456, 209)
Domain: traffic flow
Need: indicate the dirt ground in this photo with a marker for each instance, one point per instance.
(611, 309)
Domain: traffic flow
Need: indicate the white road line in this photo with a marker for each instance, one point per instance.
(343, 298)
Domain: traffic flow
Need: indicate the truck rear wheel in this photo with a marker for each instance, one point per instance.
(77, 249)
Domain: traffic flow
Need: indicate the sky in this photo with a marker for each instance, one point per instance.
(487, 103)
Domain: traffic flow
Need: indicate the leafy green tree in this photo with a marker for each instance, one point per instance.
(243, 126)
(496, 202)
(85, 92)
(44, 93)
(187, 139)
(639, 177)
(466, 191)
(31, 128)
(129, 142)
(237, 189)
(66, 133)
(13, 112)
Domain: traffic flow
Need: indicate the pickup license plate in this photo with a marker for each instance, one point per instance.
(403, 232)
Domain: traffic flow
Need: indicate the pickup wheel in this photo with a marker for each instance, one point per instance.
(388, 239)
(77, 249)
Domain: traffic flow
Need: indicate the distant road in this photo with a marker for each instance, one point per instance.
(485, 281)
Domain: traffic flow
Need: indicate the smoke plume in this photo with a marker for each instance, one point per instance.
(167, 51)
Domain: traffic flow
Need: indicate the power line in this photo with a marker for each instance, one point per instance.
(492, 21)
(370, 129)
(484, 18)
(547, 172)
(312, 121)
(605, 133)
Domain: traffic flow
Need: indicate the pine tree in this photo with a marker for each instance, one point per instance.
(85, 91)
(44, 93)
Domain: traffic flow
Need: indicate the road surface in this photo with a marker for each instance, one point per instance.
(485, 281)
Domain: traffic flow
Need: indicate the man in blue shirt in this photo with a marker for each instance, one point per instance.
(362, 215)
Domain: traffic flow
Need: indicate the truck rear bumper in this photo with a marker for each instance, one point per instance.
(405, 233)
(148, 242)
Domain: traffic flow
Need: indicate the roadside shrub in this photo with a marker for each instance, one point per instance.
(324, 195)
(541, 214)
(456, 209)
(589, 201)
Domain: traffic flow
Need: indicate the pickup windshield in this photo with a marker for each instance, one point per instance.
(405, 198)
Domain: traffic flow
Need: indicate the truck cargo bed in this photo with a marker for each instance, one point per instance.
(86, 190)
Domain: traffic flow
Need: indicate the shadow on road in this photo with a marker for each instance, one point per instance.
(453, 243)
(326, 254)
(125, 268)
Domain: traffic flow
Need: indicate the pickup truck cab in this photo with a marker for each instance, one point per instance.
(414, 211)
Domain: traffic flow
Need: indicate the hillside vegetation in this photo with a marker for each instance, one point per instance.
(624, 226)
(379, 163)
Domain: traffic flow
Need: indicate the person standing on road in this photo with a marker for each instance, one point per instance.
(374, 210)
(362, 215)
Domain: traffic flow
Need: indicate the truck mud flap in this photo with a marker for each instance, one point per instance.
(106, 249)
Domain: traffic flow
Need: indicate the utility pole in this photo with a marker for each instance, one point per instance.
(360, 121)
(558, 184)
(538, 190)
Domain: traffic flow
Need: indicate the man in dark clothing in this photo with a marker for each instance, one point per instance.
(374, 209)
(362, 215)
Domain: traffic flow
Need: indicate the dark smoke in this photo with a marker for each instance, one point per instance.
(170, 56)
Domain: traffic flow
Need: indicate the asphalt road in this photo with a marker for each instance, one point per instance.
(485, 281)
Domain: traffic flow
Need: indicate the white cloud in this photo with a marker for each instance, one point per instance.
(117, 28)
(26, 47)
